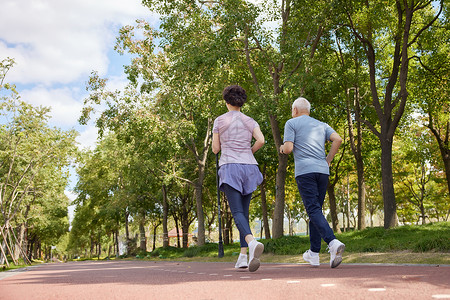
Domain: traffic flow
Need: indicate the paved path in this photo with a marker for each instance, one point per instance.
(195, 280)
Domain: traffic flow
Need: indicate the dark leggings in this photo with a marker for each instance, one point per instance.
(239, 205)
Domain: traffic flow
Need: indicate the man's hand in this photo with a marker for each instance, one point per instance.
(286, 148)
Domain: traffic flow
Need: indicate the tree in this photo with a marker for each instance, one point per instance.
(404, 23)
(431, 85)
(33, 158)
(272, 59)
(417, 177)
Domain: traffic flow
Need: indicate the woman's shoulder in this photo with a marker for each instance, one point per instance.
(245, 117)
(222, 116)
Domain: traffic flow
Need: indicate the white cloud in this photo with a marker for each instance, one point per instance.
(65, 110)
(88, 137)
(59, 41)
(117, 83)
(71, 195)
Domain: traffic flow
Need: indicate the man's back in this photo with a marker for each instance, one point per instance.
(308, 136)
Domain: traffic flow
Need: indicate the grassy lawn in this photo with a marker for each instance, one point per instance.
(422, 244)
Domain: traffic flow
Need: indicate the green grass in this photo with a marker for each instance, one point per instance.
(423, 238)
(19, 266)
(428, 244)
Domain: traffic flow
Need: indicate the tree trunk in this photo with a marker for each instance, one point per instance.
(18, 248)
(201, 163)
(127, 233)
(39, 250)
(333, 211)
(99, 251)
(117, 243)
(185, 229)
(143, 239)
(165, 217)
(280, 183)
(200, 215)
(154, 238)
(3, 254)
(264, 204)
(347, 210)
(356, 147)
(390, 205)
(361, 194)
(185, 221)
(291, 224)
(445, 153)
(177, 228)
(91, 251)
(30, 248)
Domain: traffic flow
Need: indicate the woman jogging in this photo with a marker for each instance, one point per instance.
(239, 174)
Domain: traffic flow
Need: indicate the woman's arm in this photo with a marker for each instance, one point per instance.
(216, 143)
(259, 137)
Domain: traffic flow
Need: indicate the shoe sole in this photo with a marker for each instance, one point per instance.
(243, 267)
(309, 261)
(338, 259)
(255, 263)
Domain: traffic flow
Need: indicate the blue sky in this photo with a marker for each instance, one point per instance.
(56, 44)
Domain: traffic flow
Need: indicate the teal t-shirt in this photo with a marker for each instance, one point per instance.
(309, 136)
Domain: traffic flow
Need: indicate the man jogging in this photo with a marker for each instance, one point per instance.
(306, 137)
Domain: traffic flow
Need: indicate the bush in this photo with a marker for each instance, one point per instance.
(286, 245)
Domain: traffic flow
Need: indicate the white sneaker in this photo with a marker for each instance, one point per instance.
(312, 259)
(241, 262)
(255, 249)
(336, 248)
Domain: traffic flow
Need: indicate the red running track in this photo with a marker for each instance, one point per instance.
(196, 280)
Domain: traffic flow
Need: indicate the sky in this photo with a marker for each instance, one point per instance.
(56, 44)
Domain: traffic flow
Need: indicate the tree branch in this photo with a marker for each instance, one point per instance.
(427, 25)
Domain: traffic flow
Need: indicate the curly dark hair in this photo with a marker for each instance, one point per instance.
(234, 95)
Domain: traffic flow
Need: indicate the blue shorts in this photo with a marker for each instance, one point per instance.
(242, 177)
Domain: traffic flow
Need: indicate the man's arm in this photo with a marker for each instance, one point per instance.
(287, 147)
(336, 142)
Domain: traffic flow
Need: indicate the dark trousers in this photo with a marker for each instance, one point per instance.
(239, 206)
(312, 188)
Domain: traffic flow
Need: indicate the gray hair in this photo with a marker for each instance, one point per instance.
(302, 104)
